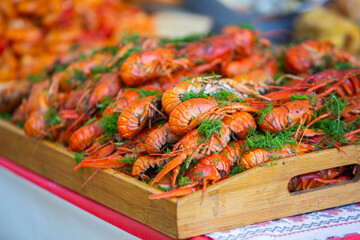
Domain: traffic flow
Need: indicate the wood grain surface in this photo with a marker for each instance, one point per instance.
(256, 195)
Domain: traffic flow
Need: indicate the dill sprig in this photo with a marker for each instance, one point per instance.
(208, 127)
(181, 42)
(5, 116)
(128, 159)
(79, 75)
(193, 94)
(343, 65)
(52, 118)
(109, 125)
(223, 95)
(183, 166)
(263, 112)
(78, 156)
(90, 121)
(146, 93)
(183, 181)
(235, 170)
(270, 141)
(104, 103)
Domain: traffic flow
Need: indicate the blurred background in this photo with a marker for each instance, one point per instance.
(36, 33)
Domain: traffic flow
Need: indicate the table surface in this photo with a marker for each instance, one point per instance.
(336, 223)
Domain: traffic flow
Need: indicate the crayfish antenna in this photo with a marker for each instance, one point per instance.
(175, 193)
(180, 192)
(92, 175)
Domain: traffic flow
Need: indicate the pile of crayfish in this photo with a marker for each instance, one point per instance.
(181, 114)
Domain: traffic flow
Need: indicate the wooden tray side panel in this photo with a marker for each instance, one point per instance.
(261, 194)
(117, 191)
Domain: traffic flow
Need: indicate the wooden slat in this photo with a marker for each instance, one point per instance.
(260, 194)
(115, 190)
(256, 195)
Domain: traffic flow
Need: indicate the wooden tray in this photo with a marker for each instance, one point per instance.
(257, 195)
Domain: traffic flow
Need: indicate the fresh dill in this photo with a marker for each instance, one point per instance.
(269, 141)
(5, 116)
(146, 93)
(235, 170)
(104, 103)
(209, 127)
(343, 65)
(193, 94)
(78, 156)
(109, 125)
(128, 159)
(79, 75)
(52, 118)
(90, 121)
(263, 112)
(183, 181)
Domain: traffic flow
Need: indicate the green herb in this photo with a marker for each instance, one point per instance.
(5, 116)
(223, 95)
(263, 112)
(99, 69)
(60, 68)
(20, 124)
(163, 188)
(335, 105)
(78, 156)
(343, 65)
(128, 159)
(208, 127)
(105, 102)
(133, 38)
(110, 49)
(109, 125)
(247, 25)
(120, 61)
(79, 75)
(281, 62)
(268, 164)
(179, 43)
(146, 93)
(271, 141)
(35, 78)
(90, 121)
(160, 168)
(235, 170)
(298, 97)
(183, 181)
(74, 47)
(52, 118)
(192, 95)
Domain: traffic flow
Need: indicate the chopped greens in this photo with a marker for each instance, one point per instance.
(5, 116)
(146, 93)
(109, 125)
(128, 159)
(192, 94)
(235, 170)
(271, 141)
(263, 112)
(183, 181)
(343, 65)
(78, 156)
(208, 127)
(52, 118)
